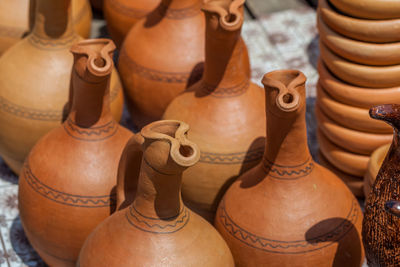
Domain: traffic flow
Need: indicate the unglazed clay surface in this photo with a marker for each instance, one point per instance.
(358, 51)
(369, 9)
(157, 229)
(40, 67)
(225, 111)
(16, 15)
(353, 95)
(349, 116)
(358, 74)
(121, 15)
(374, 31)
(275, 213)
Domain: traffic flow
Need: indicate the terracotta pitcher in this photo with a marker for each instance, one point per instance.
(121, 15)
(67, 185)
(381, 230)
(288, 210)
(35, 81)
(157, 229)
(16, 15)
(154, 72)
(225, 111)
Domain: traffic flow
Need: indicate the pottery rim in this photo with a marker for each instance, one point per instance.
(369, 9)
(362, 97)
(351, 140)
(354, 118)
(375, 54)
(375, 31)
(345, 161)
(360, 75)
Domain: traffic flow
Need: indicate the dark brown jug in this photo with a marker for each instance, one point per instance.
(67, 184)
(289, 210)
(380, 229)
(157, 229)
(224, 109)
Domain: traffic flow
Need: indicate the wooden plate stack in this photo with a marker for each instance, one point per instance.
(359, 67)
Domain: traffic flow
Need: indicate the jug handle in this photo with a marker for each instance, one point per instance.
(128, 171)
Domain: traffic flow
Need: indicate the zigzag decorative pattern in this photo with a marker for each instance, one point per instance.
(155, 75)
(232, 158)
(29, 113)
(288, 172)
(41, 115)
(52, 44)
(90, 134)
(289, 247)
(157, 225)
(65, 198)
(226, 92)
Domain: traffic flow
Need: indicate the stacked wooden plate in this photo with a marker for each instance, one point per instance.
(359, 67)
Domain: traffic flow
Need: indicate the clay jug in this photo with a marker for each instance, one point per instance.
(35, 81)
(16, 15)
(289, 210)
(157, 229)
(121, 15)
(381, 230)
(154, 72)
(225, 111)
(67, 184)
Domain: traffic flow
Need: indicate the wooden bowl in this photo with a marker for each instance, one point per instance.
(374, 164)
(348, 116)
(374, 31)
(345, 161)
(360, 75)
(355, 184)
(353, 95)
(369, 9)
(357, 51)
(351, 140)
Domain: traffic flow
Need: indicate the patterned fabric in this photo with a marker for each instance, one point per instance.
(280, 40)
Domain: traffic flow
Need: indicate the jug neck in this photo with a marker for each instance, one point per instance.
(90, 84)
(53, 20)
(286, 148)
(224, 68)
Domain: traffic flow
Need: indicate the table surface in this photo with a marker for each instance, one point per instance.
(281, 40)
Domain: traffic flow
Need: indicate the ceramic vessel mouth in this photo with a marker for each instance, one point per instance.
(99, 53)
(230, 15)
(184, 152)
(286, 82)
(389, 113)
